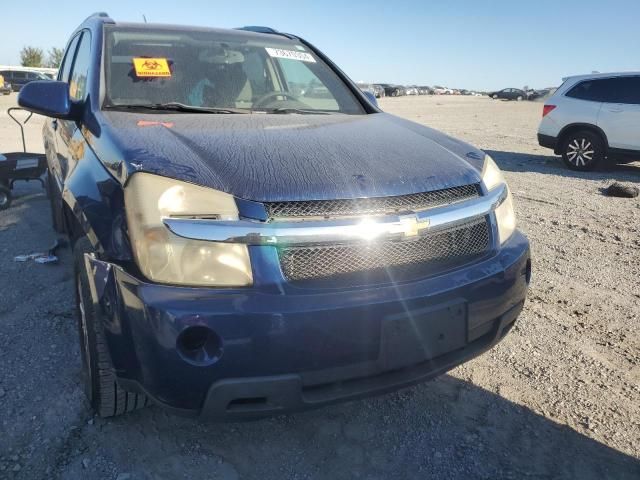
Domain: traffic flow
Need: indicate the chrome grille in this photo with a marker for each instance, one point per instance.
(457, 243)
(372, 206)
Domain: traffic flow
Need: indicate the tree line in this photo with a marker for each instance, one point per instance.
(35, 57)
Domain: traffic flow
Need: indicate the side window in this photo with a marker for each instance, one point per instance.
(609, 90)
(80, 70)
(634, 94)
(65, 68)
(624, 90)
(32, 76)
(19, 75)
(591, 90)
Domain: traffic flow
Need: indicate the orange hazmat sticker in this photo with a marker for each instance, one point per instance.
(151, 67)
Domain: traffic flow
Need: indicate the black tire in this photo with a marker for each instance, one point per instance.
(495, 97)
(5, 197)
(520, 98)
(583, 151)
(105, 396)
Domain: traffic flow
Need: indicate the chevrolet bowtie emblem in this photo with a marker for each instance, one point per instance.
(411, 226)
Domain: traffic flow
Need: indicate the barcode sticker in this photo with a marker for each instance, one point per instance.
(290, 54)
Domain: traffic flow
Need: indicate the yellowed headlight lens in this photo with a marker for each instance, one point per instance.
(506, 218)
(505, 215)
(164, 257)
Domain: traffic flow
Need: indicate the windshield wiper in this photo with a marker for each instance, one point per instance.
(300, 111)
(175, 107)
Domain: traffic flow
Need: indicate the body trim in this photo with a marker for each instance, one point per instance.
(396, 227)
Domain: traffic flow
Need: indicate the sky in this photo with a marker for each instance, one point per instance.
(472, 44)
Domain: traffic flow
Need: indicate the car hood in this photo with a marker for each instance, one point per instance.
(288, 157)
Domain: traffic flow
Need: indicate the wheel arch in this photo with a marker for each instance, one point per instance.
(577, 127)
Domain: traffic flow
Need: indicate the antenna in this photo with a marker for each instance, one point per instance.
(144, 18)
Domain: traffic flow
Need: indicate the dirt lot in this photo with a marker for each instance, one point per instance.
(559, 398)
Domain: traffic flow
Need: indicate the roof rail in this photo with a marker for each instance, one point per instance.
(104, 15)
(269, 30)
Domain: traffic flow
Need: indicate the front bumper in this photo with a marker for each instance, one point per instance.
(284, 349)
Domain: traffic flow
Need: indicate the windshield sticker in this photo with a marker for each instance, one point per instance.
(151, 67)
(290, 54)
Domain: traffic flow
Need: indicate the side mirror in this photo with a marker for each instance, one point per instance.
(371, 97)
(47, 98)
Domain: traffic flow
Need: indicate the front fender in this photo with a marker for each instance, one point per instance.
(96, 201)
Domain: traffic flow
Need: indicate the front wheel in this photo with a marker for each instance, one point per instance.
(583, 151)
(5, 197)
(520, 98)
(105, 396)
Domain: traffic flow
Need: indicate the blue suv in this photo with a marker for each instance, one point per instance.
(253, 235)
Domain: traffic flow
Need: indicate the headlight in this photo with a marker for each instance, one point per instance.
(506, 218)
(491, 174)
(505, 215)
(164, 257)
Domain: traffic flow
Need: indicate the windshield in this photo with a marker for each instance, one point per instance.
(219, 70)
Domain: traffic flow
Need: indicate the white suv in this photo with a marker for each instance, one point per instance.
(592, 118)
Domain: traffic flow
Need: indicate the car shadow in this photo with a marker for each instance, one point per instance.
(552, 165)
(446, 428)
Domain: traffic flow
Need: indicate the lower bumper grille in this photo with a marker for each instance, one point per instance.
(456, 244)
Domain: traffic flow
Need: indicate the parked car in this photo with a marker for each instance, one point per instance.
(509, 94)
(442, 90)
(537, 94)
(379, 89)
(242, 251)
(411, 90)
(592, 118)
(5, 87)
(425, 90)
(18, 78)
(393, 90)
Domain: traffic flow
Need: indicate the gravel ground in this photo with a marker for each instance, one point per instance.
(558, 398)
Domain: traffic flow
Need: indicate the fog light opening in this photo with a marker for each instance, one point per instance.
(199, 345)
